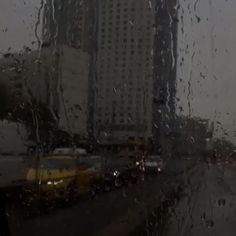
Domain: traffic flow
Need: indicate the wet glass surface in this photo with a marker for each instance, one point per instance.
(117, 117)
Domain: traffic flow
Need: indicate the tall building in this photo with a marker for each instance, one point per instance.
(68, 30)
(136, 70)
(124, 83)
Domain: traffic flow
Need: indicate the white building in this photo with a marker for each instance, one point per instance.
(73, 91)
(124, 84)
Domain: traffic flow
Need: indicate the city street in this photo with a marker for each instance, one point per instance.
(122, 210)
(205, 206)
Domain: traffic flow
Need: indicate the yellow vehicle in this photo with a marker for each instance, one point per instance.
(64, 176)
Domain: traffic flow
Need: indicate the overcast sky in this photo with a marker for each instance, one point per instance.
(209, 62)
(17, 23)
(207, 49)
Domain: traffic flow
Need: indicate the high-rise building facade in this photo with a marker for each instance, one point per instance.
(124, 82)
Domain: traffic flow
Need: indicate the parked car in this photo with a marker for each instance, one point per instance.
(63, 177)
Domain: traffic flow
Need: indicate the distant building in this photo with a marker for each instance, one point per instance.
(68, 31)
(124, 83)
(59, 74)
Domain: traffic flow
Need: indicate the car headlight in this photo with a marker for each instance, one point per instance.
(54, 182)
(58, 182)
(116, 173)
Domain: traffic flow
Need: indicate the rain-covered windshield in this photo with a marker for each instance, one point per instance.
(117, 117)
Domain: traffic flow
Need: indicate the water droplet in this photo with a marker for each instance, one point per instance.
(203, 216)
(221, 202)
(131, 22)
(115, 90)
(209, 224)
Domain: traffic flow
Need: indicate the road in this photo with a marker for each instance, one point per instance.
(205, 207)
(114, 213)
